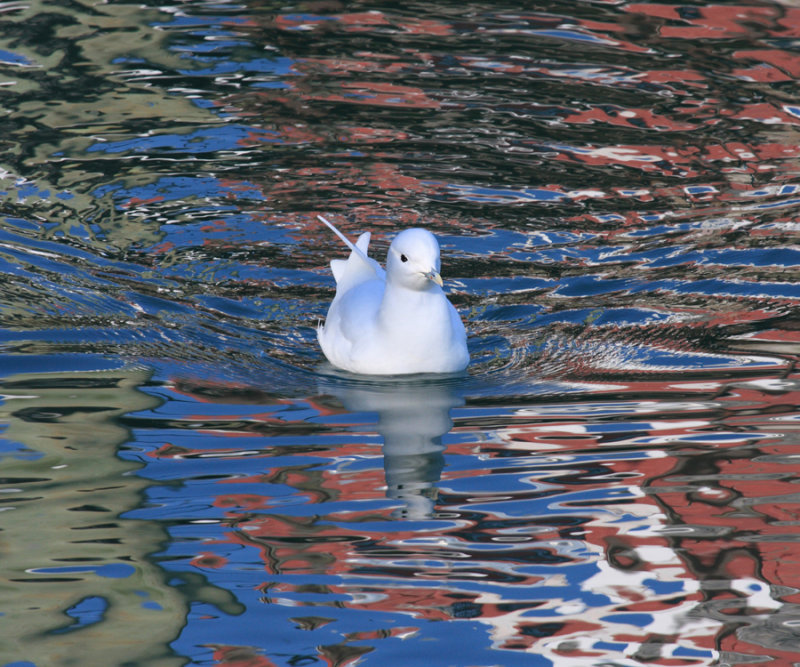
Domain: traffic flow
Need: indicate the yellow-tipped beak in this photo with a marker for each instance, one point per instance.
(435, 277)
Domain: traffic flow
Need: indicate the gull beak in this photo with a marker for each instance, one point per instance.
(434, 277)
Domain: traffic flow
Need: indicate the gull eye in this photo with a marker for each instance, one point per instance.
(403, 258)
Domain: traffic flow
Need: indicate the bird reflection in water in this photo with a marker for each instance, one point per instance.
(413, 416)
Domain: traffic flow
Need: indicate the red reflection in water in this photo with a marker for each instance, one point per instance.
(721, 21)
(705, 510)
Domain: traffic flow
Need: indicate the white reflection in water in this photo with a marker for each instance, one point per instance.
(412, 417)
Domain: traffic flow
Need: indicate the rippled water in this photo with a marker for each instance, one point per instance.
(616, 188)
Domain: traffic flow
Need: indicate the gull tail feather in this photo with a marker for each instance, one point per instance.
(358, 267)
(353, 247)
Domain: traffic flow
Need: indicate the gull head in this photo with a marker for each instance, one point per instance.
(413, 260)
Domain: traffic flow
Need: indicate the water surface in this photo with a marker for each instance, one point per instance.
(615, 187)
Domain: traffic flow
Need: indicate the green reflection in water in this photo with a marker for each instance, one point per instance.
(78, 588)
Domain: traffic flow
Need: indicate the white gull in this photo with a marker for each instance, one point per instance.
(392, 322)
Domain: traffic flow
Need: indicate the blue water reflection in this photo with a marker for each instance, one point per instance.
(613, 481)
(467, 542)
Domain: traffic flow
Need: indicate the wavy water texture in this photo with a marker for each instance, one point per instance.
(615, 187)
(191, 176)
